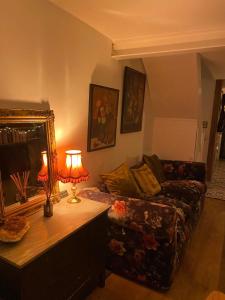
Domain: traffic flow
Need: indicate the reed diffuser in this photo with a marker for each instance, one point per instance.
(21, 184)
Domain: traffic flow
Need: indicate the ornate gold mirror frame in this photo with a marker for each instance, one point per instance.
(13, 119)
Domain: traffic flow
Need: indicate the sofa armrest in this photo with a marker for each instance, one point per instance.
(145, 239)
(175, 170)
(147, 243)
(146, 217)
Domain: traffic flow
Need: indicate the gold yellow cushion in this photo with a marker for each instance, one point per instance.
(121, 182)
(146, 180)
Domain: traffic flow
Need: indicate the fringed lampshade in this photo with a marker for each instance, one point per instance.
(43, 173)
(73, 172)
(43, 177)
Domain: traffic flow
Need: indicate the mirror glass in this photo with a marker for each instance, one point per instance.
(20, 159)
(24, 135)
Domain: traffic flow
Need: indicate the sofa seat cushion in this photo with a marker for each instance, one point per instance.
(146, 180)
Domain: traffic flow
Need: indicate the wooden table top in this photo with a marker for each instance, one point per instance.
(46, 232)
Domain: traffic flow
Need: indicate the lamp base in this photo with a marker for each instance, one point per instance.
(74, 199)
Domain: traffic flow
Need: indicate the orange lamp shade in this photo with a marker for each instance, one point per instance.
(43, 173)
(73, 171)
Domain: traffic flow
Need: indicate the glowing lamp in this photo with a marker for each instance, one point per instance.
(43, 177)
(43, 173)
(73, 172)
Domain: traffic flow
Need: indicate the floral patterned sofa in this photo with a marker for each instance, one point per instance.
(185, 181)
(147, 237)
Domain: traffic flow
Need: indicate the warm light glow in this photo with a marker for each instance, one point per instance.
(44, 158)
(43, 173)
(73, 170)
(73, 159)
(58, 134)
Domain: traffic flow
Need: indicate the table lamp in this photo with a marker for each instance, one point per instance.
(73, 172)
(43, 173)
(43, 177)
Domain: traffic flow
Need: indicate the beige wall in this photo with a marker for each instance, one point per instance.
(174, 94)
(181, 88)
(173, 84)
(47, 57)
(174, 138)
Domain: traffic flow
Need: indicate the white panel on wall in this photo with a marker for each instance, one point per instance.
(174, 138)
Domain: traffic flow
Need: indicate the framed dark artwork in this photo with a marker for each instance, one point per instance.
(102, 119)
(133, 100)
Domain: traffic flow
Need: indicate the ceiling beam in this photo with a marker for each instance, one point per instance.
(170, 44)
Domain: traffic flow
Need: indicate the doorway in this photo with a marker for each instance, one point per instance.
(216, 150)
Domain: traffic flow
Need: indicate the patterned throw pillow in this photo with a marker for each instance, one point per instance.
(155, 165)
(121, 182)
(146, 180)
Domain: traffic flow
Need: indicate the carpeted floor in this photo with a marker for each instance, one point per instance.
(202, 270)
(216, 188)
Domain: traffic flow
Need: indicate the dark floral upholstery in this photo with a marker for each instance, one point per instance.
(146, 239)
(185, 182)
(175, 169)
(147, 236)
(187, 191)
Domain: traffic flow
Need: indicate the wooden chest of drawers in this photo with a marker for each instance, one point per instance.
(62, 257)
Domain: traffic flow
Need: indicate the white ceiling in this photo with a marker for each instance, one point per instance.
(140, 28)
(123, 19)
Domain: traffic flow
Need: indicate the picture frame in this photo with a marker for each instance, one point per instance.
(25, 133)
(102, 118)
(133, 100)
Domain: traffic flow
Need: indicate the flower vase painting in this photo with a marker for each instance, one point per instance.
(103, 108)
(133, 100)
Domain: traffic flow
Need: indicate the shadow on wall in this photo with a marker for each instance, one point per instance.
(133, 160)
(24, 104)
(104, 75)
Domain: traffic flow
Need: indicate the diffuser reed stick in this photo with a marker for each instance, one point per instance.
(21, 183)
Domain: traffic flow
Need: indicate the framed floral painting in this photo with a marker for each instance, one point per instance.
(133, 100)
(102, 119)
